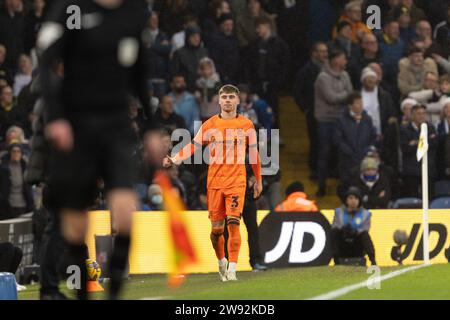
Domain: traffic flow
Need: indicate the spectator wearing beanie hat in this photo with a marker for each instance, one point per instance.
(185, 61)
(374, 185)
(406, 108)
(350, 229)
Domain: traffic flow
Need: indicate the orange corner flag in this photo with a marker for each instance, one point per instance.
(184, 253)
(94, 286)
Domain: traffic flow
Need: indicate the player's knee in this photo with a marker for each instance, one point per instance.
(74, 226)
(233, 221)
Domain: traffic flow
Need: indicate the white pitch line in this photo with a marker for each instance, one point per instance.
(343, 291)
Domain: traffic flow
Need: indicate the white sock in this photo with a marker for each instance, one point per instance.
(223, 262)
(232, 266)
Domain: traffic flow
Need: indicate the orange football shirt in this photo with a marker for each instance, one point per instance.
(228, 141)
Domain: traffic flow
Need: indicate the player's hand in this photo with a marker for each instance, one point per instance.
(257, 189)
(59, 132)
(167, 162)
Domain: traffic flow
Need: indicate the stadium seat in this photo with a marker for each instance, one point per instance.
(442, 189)
(407, 203)
(8, 288)
(440, 203)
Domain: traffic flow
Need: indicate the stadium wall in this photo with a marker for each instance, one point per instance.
(151, 247)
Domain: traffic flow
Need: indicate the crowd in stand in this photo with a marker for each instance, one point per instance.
(364, 92)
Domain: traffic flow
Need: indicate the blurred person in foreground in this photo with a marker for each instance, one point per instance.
(87, 120)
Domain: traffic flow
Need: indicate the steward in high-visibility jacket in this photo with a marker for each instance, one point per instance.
(296, 200)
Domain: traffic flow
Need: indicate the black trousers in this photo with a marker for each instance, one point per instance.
(10, 257)
(53, 249)
(311, 124)
(249, 216)
(352, 247)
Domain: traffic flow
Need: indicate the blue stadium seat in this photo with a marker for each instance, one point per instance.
(8, 288)
(407, 203)
(442, 188)
(440, 203)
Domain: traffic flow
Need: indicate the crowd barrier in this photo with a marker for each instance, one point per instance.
(304, 241)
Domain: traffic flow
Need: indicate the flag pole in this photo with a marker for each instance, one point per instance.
(426, 251)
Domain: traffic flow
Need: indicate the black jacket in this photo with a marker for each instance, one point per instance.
(410, 165)
(352, 140)
(356, 64)
(304, 86)
(267, 61)
(371, 196)
(185, 61)
(224, 51)
(159, 53)
(173, 122)
(5, 189)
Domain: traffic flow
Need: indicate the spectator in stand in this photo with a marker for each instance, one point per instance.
(409, 139)
(159, 51)
(267, 64)
(403, 16)
(433, 95)
(343, 39)
(186, 59)
(154, 199)
(24, 74)
(391, 49)
(223, 47)
(416, 13)
(33, 21)
(171, 14)
(166, 117)
(177, 40)
(374, 185)
(12, 28)
(332, 89)
(9, 112)
(413, 69)
(5, 71)
(211, 22)
(296, 200)
(207, 86)
(406, 108)
(368, 53)
(304, 97)
(443, 153)
(424, 33)
(15, 194)
(254, 108)
(354, 134)
(15, 134)
(350, 229)
(442, 35)
(353, 15)
(245, 22)
(185, 103)
(442, 62)
(378, 104)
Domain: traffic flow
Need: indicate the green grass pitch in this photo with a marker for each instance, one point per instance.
(432, 282)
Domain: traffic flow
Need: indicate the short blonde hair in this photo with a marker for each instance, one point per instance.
(228, 88)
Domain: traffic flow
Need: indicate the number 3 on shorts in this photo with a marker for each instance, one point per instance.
(234, 202)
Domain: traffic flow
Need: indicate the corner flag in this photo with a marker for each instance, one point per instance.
(422, 147)
(422, 150)
(184, 253)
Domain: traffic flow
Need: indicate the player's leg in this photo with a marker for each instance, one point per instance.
(235, 198)
(123, 203)
(216, 208)
(74, 225)
(119, 175)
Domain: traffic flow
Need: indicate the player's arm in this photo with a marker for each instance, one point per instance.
(255, 160)
(189, 149)
(141, 75)
(50, 44)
